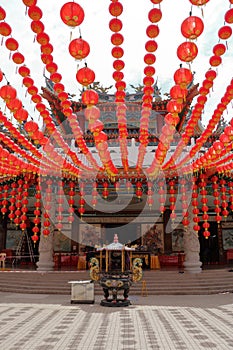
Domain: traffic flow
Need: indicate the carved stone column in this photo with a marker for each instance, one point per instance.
(192, 261)
(45, 262)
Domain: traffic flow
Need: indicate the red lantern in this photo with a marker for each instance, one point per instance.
(229, 16)
(21, 115)
(149, 58)
(56, 77)
(24, 71)
(14, 104)
(42, 38)
(117, 52)
(219, 49)
(192, 27)
(118, 65)
(187, 51)
(37, 27)
(7, 92)
(51, 67)
(46, 49)
(11, 44)
(118, 76)
(151, 46)
(115, 9)
(58, 87)
(18, 58)
(215, 61)
(46, 58)
(199, 2)
(90, 97)
(79, 49)
(29, 3)
(225, 32)
(2, 14)
(155, 15)
(149, 71)
(35, 13)
(31, 126)
(72, 14)
(85, 76)
(115, 25)
(152, 31)
(32, 90)
(210, 74)
(5, 29)
(117, 39)
(183, 77)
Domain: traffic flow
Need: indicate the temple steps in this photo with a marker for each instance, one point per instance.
(157, 282)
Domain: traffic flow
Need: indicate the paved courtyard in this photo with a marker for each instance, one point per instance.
(46, 322)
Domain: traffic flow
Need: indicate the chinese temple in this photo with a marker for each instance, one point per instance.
(119, 160)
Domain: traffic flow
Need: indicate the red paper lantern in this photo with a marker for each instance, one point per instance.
(32, 90)
(118, 65)
(229, 16)
(120, 85)
(63, 96)
(5, 29)
(225, 32)
(115, 25)
(215, 61)
(56, 77)
(46, 58)
(199, 2)
(151, 46)
(35, 13)
(117, 39)
(85, 76)
(28, 81)
(42, 38)
(156, 1)
(79, 49)
(58, 87)
(24, 71)
(21, 115)
(210, 74)
(37, 27)
(155, 15)
(29, 3)
(31, 126)
(183, 77)
(117, 52)
(14, 104)
(149, 58)
(2, 14)
(51, 67)
(118, 76)
(1, 75)
(187, 51)
(152, 31)
(72, 14)
(90, 97)
(219, 49)
(192, 27)
(7, 92)
(115, 9)
(12, 44)
(18, 58)
(46, 49)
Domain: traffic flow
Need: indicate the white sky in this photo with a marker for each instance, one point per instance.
(96, 31)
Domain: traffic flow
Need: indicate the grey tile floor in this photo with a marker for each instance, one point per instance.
(47, 322)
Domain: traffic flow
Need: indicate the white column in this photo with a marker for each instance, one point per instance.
(45, 262)
(192, 261)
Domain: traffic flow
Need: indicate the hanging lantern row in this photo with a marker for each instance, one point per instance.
(182, 77)
(151, 46)
(117, 39)
(218, 50)
(195, 204)
(215, 152)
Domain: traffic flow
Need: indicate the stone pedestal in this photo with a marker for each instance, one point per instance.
(46, 262)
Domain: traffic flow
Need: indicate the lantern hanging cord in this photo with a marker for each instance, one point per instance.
(8, 83)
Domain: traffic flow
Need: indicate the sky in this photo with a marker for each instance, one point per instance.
(95, 30)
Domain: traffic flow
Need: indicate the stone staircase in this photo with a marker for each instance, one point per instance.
(157, 282)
